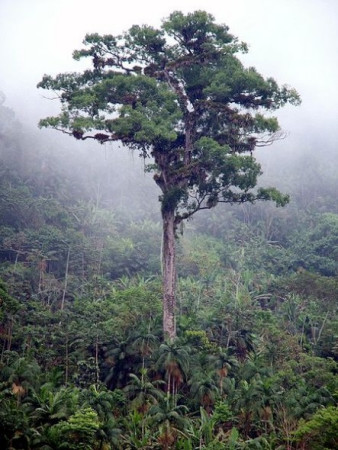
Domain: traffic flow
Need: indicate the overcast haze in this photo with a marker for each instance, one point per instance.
(295, 41)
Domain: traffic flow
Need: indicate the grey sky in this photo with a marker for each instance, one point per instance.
(294, 41)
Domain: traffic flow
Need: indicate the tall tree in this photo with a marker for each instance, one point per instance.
(179, 95)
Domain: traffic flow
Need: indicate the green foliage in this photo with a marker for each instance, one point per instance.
(8, 304)
(199, 339)
(320, 432)
(317, 248)
(78, 432)
(222, 413)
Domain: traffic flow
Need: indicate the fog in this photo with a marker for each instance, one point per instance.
(295, 41)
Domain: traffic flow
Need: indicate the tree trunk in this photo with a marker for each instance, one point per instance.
(169, 275)
(66, 282)
(97, 368)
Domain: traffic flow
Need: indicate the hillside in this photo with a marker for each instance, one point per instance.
(83, 362)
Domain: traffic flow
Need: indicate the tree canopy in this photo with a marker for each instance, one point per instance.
(180, 95)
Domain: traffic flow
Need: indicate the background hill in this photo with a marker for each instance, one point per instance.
(81, 354)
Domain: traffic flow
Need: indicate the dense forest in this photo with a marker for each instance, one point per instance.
(84, 364)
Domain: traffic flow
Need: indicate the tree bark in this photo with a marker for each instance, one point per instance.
(169, 275)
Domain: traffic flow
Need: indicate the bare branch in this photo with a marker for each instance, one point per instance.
(268, 140)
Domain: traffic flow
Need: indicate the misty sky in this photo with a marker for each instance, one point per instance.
(295, 41)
